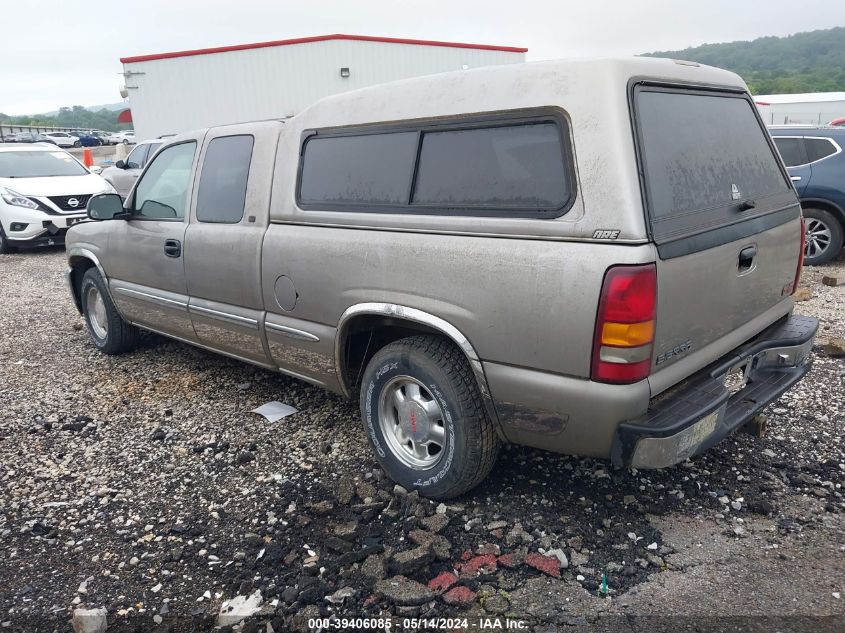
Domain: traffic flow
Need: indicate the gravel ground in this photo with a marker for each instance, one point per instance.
(142, 485)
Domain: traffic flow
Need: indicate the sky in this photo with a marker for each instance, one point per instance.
(66, 52)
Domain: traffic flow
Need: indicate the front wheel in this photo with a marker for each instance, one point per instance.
(824, 236)
(108, 331)
(425, 418)
(126, 141)
(5, 248)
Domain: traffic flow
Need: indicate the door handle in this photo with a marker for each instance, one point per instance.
(172, 248)
(795, 178)
(746, 257)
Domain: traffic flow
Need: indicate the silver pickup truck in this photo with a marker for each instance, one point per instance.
(593, 258)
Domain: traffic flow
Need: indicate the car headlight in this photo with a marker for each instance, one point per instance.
(16, 199)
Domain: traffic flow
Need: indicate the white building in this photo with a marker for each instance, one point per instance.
(816, 108)
(175, 92)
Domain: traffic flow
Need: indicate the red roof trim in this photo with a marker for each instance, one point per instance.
(318, 38)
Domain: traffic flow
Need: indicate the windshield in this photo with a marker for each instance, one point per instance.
(38, 165)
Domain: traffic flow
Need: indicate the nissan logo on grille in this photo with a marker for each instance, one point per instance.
(73, 202)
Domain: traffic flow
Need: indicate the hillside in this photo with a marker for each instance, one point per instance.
(76, 117)
(804, 62)
(121, 105)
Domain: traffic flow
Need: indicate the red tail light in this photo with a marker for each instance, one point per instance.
(803, 246)
(622, 346)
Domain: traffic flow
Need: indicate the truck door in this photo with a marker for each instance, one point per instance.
(223, 242)
(145, 254)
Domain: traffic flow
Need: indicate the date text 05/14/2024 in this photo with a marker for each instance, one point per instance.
(417, 624)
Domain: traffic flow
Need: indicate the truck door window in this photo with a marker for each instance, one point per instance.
(136, 157)
(162, 192)
(152, 151)
(225, 170)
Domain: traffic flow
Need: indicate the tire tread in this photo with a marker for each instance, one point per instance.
(481, 432)
(121, 336)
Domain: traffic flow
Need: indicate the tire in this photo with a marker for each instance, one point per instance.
(441, 403)
(824, 236)
(107, 329)
(5, 248)
(77, 144)
(126, 141)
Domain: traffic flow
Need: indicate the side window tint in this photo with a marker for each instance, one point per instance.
(162, 192)
(791, 151)
(373, 169)
(818, 148)
(136, 157)
(153, 149)
(517, 166)
(225, 170)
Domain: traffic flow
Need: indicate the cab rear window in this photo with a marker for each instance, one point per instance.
(707, 161)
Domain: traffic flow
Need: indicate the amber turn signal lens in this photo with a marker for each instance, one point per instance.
(627, 334)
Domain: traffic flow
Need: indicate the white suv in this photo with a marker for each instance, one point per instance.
(43, 191)
(63, 139)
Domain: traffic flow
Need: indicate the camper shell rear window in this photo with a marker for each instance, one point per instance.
(706, 163)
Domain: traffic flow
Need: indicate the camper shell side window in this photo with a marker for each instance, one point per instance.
(516, 165)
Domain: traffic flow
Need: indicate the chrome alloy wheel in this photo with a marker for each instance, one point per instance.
(818, 237)
(95, 308)
(412, 423)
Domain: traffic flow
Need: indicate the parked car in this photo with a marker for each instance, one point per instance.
(127, 137)
(89, 139)
(31, 137)
(478, 264)
(125, 172)
(102, 136)
(816, 165)
(43, 191)
(63, 139)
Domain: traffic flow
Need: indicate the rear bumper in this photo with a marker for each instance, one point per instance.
(702, 410)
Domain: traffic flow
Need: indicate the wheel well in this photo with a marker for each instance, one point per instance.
(364, 335)
(78, 267)
(837, 212)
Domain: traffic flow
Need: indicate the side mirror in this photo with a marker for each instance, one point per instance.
(106, 206)
(120, 164)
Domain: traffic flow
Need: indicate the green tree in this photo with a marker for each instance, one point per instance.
(803, 62)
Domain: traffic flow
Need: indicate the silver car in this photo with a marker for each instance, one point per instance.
(548, 254)
(125, 172)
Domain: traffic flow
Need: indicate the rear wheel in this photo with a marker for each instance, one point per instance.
(108, 331)
(425, 418)
(126, 141)
(824, 236)
(77, 144)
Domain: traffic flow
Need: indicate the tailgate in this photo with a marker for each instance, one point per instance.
(722, 213)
